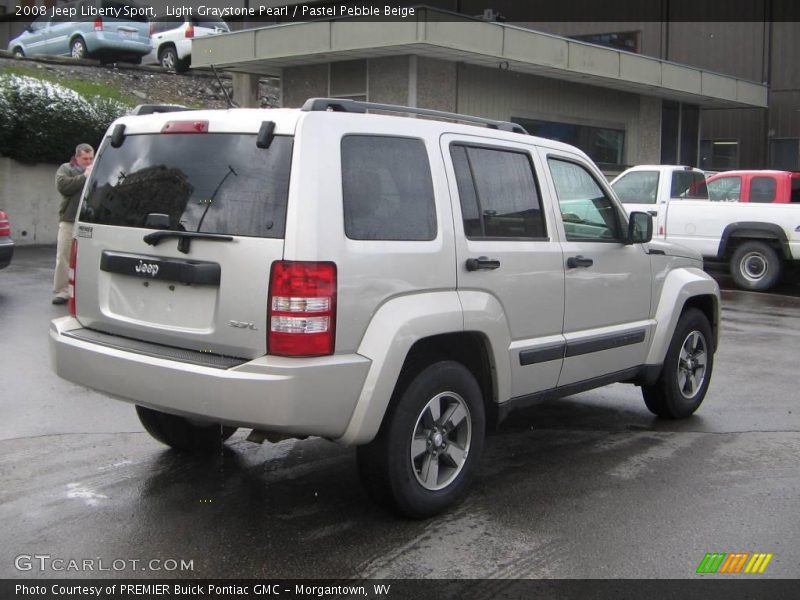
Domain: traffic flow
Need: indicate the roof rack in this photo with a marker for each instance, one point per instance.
(149, 109)
(355, 106)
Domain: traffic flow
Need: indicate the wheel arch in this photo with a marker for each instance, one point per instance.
(683, 288)
(404, 336)
(736, 234)
(163, 47)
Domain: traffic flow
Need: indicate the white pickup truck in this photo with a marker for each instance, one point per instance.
(760, 242)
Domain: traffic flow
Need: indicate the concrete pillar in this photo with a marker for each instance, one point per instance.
(245, 90)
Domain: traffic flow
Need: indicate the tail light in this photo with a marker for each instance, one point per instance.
(5, 226)
(98, 24)
(189, 31)
(152, 27)
(302, 308)
(73, 265)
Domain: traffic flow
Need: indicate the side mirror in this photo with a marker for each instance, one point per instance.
(29, 29)
(640, 228)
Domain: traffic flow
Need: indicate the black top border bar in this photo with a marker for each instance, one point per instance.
(255, 12)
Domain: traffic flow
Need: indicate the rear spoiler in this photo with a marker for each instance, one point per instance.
(149, 109)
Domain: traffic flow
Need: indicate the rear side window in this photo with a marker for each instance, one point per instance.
(211, 183)
(762, 189)
(637, 187)
(725, 189)
(165, 24)
(689, 185)
(387, 189)
(498, 193)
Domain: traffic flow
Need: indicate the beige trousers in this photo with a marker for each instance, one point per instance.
(61, 276)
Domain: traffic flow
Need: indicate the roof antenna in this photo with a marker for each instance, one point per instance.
(231, 103)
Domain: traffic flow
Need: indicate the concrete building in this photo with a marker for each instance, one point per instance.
(620, 107)
(712, 84)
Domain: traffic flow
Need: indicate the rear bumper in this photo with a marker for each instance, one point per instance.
(306, 396)
(102, 42)
(6, 252)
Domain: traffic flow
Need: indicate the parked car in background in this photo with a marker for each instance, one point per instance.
(781, 187)
(109, 39)
(172, 39)
(6, 245)
(649, 188)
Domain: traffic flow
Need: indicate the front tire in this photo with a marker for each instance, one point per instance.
(181, 434)
(18, 53)
(686, 372)
(755, 266)
(429, 444)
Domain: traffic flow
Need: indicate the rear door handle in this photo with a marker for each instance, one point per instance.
(579, 261)
(482, 263)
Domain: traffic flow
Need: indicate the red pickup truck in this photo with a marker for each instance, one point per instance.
(780, 187)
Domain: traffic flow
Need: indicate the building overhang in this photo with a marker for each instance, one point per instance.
(436, 34)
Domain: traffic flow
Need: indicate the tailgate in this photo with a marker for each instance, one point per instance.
(176, 237)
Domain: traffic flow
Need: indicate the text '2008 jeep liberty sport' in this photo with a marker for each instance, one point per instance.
(387, 282)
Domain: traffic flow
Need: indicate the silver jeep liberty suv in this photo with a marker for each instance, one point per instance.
(387, 282)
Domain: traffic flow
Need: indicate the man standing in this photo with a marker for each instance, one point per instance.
(70, 178)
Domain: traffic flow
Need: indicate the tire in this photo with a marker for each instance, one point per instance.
(169, 58)
(77, 48)
(687, 369)
(429, 443)
(181, 434)
(755, 266)
(18, 53)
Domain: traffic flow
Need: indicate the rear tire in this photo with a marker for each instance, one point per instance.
(686, 372)
(77, 48)
(429, 444)
(755, 266)
(181, 434)
(169, 58)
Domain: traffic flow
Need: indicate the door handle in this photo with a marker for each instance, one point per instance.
(482, 263)
(652, 213)
(579, 261)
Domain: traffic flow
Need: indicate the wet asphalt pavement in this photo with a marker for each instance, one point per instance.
(590, 486)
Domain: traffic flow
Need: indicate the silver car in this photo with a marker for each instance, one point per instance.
(84, 29)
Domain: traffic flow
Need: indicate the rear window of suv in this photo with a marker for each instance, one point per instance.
(212, 183)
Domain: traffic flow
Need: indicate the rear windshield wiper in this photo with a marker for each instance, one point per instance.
(184, 238)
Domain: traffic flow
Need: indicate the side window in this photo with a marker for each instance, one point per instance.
(498, 193)
(637, 187)
(689, 185)
(762, 189)
(387, 189)
(588, 213)
(795, 190)
(725, 189)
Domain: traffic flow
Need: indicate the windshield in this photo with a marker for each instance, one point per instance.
(211, 183)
